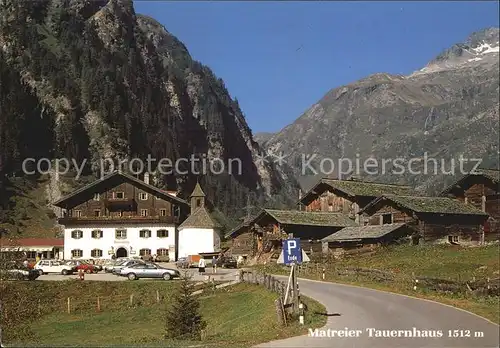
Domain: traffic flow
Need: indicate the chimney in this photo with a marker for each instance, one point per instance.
(146, 178)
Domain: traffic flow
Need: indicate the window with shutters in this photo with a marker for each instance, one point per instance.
(76, 234)
(144, 252)
(162, 252)
(96, 253)
(162, 233)
(145, 233)
(121, 234)
(96, 234)
(76, 253)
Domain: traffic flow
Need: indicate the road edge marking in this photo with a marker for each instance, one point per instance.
(395, 293)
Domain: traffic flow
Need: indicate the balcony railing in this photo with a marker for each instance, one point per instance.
(118, 219)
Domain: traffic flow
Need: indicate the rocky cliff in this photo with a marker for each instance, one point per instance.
(92, 80)
(447, 109)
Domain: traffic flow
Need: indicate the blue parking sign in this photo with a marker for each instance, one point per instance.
(292, 252)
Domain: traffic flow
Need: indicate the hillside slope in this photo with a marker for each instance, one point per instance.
(93, 80)
(447, 109)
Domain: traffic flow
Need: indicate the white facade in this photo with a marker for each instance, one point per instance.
(193, 241)
(110, 243)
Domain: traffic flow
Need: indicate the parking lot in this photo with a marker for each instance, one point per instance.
(220, 275)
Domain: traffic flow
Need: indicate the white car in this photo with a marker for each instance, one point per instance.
(54, 266)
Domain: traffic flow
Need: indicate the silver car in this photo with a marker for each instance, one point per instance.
(149, 270)
(126, 263)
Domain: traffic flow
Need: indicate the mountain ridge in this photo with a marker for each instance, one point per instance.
(406, 116)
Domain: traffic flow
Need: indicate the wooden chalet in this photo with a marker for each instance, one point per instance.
(482, 190)
(431, 218)
(347, 196)
(121, 197)
(362, 236)
(266, 231)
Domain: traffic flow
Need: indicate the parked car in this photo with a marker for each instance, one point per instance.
(148, 270)
(108, 266)
(182, 262)
(117, 268)
(83, 265)
(18, 272)
(227, 262)
(54, 266)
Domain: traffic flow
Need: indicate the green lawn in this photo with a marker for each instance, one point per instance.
(237, 316)
(438, 261)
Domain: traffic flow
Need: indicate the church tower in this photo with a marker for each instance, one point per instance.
(197, 198)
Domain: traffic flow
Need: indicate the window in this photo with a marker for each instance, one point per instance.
(143, 196)
(162, 252)
(97, 196)
(118, 195)
(76, 253)
(96, 234)
(97, 213)
(96, 253)
(144, 252)
(163, 212)
(145, 233)
(31, 254)
(386, 219)
(177, 211)
(198, 202)
(144, 212)
(121, 234)
(162, 233)
(453, 239)
(76, 234)
(120, 213)
(78, 213)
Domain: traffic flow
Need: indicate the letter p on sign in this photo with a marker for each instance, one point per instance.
(291, 245)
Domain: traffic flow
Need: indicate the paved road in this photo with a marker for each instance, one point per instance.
(360, 309)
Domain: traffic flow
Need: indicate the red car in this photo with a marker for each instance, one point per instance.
(85, 266)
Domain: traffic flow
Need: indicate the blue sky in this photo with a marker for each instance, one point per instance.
(279, 58)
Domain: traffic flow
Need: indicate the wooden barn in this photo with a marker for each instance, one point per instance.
(366, 236)
(347, 196)
(482, 190)
(266, 231)
(432, 218)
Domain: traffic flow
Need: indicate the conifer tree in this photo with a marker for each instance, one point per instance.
(183, 319)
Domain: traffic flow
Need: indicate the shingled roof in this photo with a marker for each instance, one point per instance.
(355, 188)
(296, 217)
(491, 174)
(197, 192)
(117, 175)
(200, 218)
(433, 205)
(362, 232)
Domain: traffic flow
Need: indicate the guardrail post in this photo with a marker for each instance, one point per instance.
(301, 313)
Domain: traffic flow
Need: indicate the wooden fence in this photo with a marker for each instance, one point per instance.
(272, 284)
(477, 287)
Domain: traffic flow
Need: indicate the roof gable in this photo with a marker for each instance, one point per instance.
(197, 192)
(355, 188)
(200, 218)
(296, 217)
(429, 205)
(491, 175)
(74, 198)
